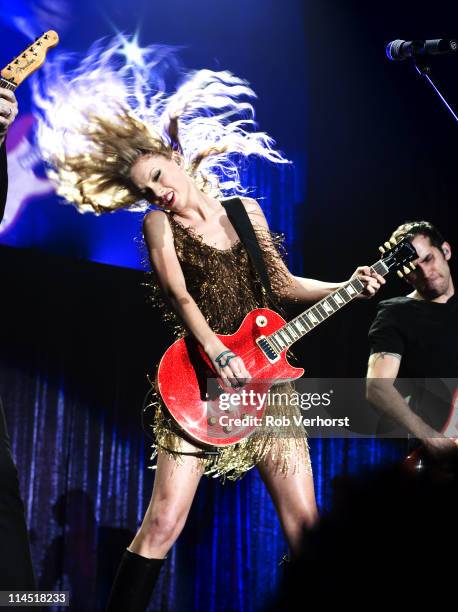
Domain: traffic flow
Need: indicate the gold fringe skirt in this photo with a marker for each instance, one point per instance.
(286, 445)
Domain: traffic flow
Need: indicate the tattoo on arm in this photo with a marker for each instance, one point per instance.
(381, 355)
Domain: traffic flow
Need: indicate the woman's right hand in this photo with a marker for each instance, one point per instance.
(230, 368)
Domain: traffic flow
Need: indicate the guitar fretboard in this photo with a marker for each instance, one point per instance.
(7, 84)
(322, 310)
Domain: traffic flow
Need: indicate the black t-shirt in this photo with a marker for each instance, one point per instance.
(425, 334)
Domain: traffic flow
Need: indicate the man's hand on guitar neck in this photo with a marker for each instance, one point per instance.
(8, 111)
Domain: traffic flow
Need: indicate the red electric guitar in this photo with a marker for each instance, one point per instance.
(186, 378)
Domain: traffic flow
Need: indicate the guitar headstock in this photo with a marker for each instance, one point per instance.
(399, 255)
(30, 59)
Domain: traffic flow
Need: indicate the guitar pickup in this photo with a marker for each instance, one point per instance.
(267, 349)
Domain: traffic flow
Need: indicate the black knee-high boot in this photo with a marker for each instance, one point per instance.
(134, 583)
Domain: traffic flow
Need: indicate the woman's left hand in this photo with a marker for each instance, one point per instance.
(371, 280)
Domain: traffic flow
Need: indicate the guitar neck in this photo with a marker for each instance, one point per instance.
(25, 64)
(7, 84)
(301, 325)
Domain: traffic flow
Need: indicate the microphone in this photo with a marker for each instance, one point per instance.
(398, 50)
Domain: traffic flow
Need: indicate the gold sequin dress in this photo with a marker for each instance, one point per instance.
(225, 286)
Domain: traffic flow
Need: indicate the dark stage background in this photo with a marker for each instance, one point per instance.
(78, 337)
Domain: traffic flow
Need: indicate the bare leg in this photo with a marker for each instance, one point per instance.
(293, 496)
(174, 488)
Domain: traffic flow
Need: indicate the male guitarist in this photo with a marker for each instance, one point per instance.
(16, 571)
(415, 336)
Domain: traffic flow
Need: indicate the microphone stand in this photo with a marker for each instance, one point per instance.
(424, 70)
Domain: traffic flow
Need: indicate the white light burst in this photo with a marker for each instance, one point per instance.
(131, 51)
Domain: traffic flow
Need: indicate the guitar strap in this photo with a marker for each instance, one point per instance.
(239, 218)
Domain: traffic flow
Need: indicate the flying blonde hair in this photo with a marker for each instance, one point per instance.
(98, 117)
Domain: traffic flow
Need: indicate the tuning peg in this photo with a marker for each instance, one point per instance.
(406, 270)
(387, 245)
(393, 241)
(412, 265)
(400, 274)
(381, 249)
